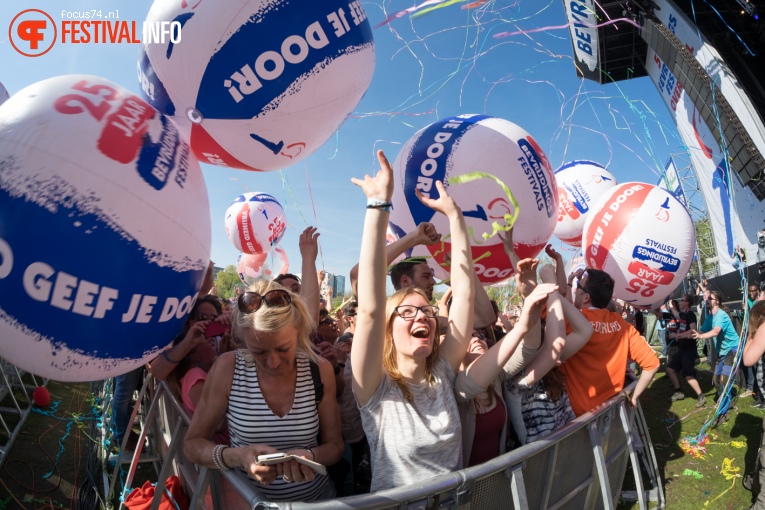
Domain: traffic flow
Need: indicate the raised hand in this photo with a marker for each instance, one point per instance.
(426, 234)
(309, 243)
(532, 306)
(380, 186)
(443, 204)
(526, 276)
(553, 254)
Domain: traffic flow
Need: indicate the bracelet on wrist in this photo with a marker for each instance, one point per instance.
(374, 203)
(167, 358)
(313, 455)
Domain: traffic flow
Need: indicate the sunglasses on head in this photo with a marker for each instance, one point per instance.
(251, 301)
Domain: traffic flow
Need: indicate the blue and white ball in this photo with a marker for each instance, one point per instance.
(467, 144)
(104, 229)
(580, 184)
(258, 84)
(255, 223)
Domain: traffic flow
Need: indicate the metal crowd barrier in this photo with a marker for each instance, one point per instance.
(12, 388)
(581, 466)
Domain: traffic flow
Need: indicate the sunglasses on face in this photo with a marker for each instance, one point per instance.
(251, 301)
(410, 311)
(327, 322)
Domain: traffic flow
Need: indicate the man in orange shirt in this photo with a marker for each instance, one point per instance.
(595, 372)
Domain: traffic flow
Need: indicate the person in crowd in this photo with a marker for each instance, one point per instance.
(739, 257)
(661, 331)
(206, 309)
(595, 368)
(753, 292)
(479, 384)
(753, 352)
(415, 271)
(684, 359)
(403, 378)
(273, 399)
(289, 281)
(719, 327)
(350, 319)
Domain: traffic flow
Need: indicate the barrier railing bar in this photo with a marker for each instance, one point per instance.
(141, 437)
(587, 484)
(634, 460)
(647, 449)
(133, 464)
(167, 464)
(552, 460)
(600, 465)
(200, 488)
(518, 487)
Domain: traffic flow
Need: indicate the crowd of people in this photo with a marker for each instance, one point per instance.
(388, 390)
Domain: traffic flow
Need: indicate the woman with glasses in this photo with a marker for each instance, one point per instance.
(719, 327)
(277, 396)
(403, 377)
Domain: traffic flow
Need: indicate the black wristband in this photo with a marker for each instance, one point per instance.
(337, 369)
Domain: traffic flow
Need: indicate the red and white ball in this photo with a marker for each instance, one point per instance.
(465, 144)
(255, 222)
(251, 267)
(580, 184)
(644, 238)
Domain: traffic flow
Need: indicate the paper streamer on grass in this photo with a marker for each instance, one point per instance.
(730, 473)
(509, 218)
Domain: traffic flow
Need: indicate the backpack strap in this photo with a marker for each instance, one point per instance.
(318, 386)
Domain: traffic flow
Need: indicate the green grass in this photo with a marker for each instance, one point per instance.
(669, 422)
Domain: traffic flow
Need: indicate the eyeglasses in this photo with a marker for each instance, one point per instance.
(250, 301)
(580, 285)
(479, 334)
(204, 317)
(410, 311)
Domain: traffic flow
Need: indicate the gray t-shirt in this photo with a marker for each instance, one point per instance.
(411, 442)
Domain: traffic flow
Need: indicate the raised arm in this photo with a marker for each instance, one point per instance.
(560, 348)
(484, 370)
(369, 339)
(484, 312)
(560, 270)
(461, 314)
(309, 290)
(425, 234)
(755, 347)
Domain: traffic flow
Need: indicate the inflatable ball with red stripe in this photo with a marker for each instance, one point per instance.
(466, 144)
(644, 238)
(251, 267)
(104, 229)
(257, 84)
(255, 223)
(580, 184)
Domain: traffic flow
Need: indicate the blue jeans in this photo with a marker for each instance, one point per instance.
(124, 386)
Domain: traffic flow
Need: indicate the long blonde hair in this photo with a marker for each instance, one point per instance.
(390, 361)
(268, 320)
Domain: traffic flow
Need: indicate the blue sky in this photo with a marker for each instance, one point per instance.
(444, 63)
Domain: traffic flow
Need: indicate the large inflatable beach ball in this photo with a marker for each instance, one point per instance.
(580, 184)
(104, 229)
(252, 267)
(255, 223)
(644, 238)
(468, 144)
(257, 84)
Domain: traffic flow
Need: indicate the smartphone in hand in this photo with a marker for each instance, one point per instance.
(216, 329)
(277, 458)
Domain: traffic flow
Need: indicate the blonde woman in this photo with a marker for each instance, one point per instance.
(271, 399)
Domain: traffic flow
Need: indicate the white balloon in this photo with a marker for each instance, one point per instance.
(258, 84)
(104, 229)
(580, 184)
(255, 223)
(465, 144)
(644, 238)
